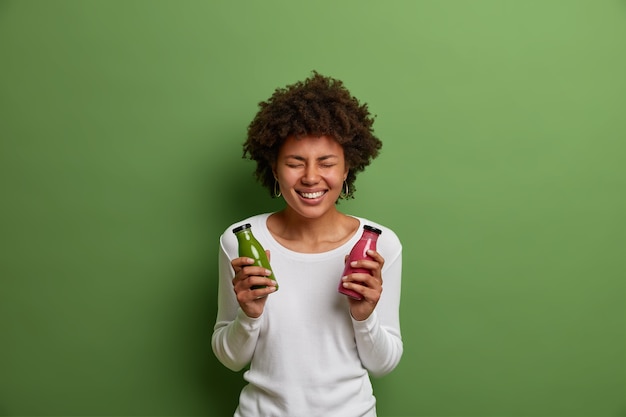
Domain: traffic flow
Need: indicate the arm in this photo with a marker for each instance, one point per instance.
(235, 334)
(378, 337)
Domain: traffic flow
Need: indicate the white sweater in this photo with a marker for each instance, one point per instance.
(308, 357)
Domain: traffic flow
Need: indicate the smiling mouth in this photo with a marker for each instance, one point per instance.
(313, 195)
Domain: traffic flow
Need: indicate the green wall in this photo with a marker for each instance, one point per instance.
(502, 171)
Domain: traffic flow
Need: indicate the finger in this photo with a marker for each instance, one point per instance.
(240, 262)
(253, 288)
(364, 280)
(376, 256)
(247, 273)
(357, 277)
(244, 267)
(259, 293)
(256, 271)
(254, 294)
(255, 282)
(369, 294)
(370, 265)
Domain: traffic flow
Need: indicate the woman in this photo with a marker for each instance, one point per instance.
(310, 348)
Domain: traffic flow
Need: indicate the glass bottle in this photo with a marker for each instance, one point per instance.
(359, 251)
(251, 248)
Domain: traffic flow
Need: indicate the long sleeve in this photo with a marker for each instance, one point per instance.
(378, 337)
(235, 334)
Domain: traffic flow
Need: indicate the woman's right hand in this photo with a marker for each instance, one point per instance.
(252, 301)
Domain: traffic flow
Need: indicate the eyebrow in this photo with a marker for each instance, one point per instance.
(301, 158)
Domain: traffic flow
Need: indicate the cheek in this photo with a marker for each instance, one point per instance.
(337, 178)
(286, 178)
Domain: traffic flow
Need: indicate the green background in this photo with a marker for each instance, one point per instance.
(502, 171)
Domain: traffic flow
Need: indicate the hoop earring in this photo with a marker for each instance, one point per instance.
(277, 192)
(345, 191)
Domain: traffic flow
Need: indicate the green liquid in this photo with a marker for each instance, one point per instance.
(251, 248)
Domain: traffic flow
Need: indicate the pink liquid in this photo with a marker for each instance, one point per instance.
(359, 252)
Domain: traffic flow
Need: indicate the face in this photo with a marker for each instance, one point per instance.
(311, 171)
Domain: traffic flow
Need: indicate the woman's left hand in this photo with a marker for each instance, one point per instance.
(370, 286)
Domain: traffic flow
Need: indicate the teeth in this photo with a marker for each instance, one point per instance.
(312, 195)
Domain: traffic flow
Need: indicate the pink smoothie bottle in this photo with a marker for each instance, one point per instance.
(358, 252)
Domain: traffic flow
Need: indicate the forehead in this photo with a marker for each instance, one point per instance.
(311, 146)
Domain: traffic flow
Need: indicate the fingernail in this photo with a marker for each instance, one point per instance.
(353, 263)
(345, 284)
(344, 278)
(268, 272)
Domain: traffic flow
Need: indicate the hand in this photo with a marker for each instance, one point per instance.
(370, 286)
(251, 301)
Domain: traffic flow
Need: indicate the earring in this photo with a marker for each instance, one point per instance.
(277, 192)
(345, 192)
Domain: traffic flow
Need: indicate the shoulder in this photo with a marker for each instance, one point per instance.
(388, 238)
(390, 248)
(228, 240)
(257, 221)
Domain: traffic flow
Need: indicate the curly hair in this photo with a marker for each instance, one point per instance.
(317, 106)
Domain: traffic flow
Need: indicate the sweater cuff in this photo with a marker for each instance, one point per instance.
(248, 323)
(365, 325)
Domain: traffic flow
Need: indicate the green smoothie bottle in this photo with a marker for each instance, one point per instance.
(251, 248)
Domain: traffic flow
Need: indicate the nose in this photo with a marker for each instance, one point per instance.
(311, 175)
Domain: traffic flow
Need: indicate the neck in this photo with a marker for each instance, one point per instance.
(318, 234)
(300, 227)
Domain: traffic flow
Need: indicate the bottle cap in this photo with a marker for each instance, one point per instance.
(242, 227)
(372, 229)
